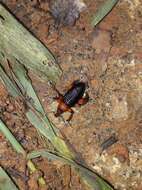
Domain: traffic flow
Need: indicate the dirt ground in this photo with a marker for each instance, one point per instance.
(109, 59)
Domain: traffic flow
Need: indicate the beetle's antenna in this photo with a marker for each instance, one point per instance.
(54, 88)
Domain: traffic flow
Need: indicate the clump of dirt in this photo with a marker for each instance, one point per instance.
(108, 57)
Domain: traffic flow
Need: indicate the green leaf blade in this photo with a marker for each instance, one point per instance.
(89, 177)
(6, 80)
(15, 144)
(5, 182)
(18, 43)
(103, 11)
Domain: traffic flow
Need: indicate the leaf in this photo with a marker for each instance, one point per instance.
(17, 43)
(89, 177)
(31, 97)
(8, 83)
(40, 125)
(103, 11)
(61, 146)
(23, 79)
(15, 144)
(4, 129)
(38, 117)
(5, 182)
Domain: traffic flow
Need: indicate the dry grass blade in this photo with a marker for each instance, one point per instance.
(5, 182)
(103, 11)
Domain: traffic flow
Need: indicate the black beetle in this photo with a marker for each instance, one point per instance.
(75, 95)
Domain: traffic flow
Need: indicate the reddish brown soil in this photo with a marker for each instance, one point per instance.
(109, 59)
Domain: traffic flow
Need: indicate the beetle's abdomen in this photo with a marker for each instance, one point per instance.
(74, 94)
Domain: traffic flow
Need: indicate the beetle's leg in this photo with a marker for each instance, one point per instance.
(54, 88)
(59, 112)
(67, 123)
(83, 100)
(71, 115)
(62, 107)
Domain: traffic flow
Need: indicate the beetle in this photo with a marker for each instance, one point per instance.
(75, 95)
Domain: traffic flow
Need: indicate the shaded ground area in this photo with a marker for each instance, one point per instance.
(108, 58)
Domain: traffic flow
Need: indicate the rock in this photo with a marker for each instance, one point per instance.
(120, 151)
(119, 107)
(101, 41)
(66, 12)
